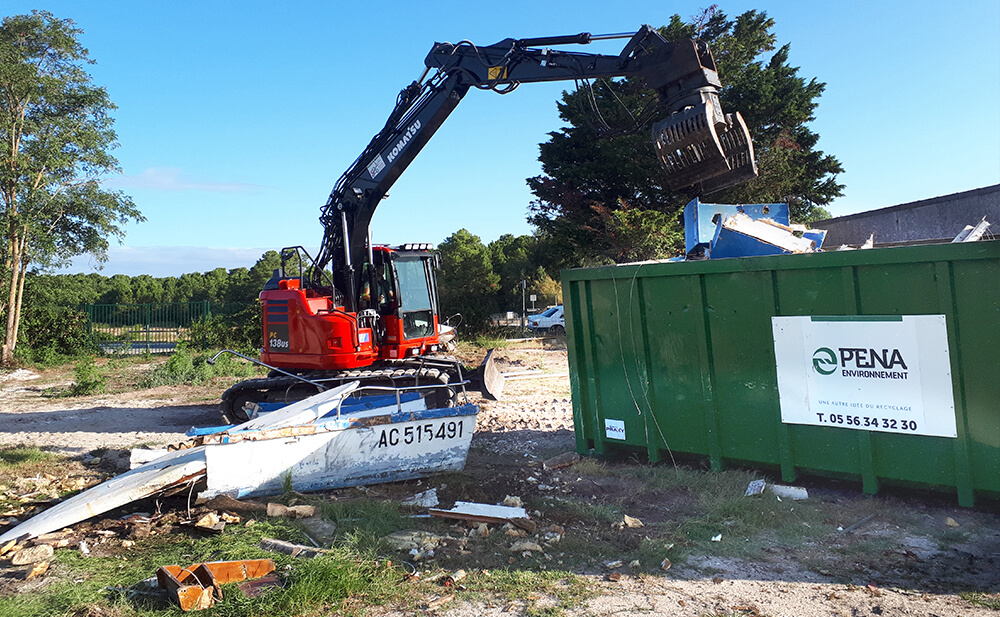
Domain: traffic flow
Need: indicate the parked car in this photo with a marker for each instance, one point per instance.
(551, 319)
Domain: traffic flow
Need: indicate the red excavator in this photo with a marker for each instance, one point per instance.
(370, 313)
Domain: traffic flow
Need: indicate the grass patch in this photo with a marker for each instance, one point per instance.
(988, 600)
(344, 581)
(562, 509)
(362, 524)
(14, 459)
(544, 593)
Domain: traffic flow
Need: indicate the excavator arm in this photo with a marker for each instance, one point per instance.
(697, 143)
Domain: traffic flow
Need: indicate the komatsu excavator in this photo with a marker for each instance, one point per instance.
(370, 313)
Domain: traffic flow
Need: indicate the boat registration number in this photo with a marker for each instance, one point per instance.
(431, 431)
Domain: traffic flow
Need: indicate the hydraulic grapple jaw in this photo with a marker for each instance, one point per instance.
(700, 145)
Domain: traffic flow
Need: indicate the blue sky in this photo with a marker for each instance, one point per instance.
(236, 118)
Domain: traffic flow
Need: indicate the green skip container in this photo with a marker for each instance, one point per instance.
(879, 365)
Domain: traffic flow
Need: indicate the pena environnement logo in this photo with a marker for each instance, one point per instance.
(825, 361)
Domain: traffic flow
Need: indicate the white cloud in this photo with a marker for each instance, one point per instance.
(172, 179)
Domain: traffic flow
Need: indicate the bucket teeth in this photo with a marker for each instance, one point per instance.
(692, 150)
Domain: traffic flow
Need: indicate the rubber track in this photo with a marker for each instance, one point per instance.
(274, 388)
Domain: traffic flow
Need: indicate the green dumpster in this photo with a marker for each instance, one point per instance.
(879, 365)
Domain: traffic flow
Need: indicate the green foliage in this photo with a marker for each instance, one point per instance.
(52, 334)
(332, 583)
(603, 199)
(988, 600)
(240, 330)
(185, 367)
(467, 282)
(56, 138)
(87, 378)
(12, 458)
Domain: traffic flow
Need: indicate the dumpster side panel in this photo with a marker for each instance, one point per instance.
(977, 307)
(680, 357)
(907, 289)
(738, 311)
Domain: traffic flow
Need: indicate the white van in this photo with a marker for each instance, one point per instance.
(551, 319)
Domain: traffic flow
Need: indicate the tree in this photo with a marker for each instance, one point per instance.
(467, 283)
(603, 199)
(512, 260)
(55, 140)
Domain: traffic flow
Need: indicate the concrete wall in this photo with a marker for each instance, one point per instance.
(938, 218)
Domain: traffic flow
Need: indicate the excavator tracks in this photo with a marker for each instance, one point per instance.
(444, 374)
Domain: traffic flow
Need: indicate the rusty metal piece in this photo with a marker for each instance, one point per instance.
(256, 587)
(197, 586)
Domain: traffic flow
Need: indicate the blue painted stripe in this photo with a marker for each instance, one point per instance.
(394, 418)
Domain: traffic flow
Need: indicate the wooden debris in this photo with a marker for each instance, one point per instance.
(859, 523)
(8, 547)
(38, 569)
(32, 554)
(563, 460)
(58, 539)
(227, 503)
(438, 602)
(279, 510)
(525, 545)
(525, 523)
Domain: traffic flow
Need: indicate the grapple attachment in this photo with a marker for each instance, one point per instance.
(701, 145)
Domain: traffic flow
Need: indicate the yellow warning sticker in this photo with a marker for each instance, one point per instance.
(497, 72)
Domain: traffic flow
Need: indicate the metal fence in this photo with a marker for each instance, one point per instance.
(149, 328)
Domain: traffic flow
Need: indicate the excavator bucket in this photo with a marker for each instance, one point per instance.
(699, 145)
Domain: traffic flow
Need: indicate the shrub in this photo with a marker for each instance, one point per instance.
(88, 378)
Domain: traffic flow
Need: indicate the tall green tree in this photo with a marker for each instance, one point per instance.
(56, 138)
(604, 198)
(467, 284)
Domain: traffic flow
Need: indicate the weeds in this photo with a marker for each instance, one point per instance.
(88, 379)
(340, 581)
(13, 459)
(186, 367)
(989, 600)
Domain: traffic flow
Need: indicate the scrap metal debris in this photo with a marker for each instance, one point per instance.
(255, 457)
(481, 512)
(973, 233)
(196, 587)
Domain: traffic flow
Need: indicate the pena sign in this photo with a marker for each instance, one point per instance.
(889, 374)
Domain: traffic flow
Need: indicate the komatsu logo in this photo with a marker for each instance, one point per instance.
(407, 136)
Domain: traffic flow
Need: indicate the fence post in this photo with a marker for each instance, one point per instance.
(147, 327)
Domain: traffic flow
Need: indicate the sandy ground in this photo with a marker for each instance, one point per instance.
(534, 418)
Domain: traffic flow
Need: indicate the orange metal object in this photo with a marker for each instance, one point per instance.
(197, 586)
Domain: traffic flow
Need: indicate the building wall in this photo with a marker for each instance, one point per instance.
(938, 218)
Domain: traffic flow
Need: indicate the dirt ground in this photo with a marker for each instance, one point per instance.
(884, 567)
